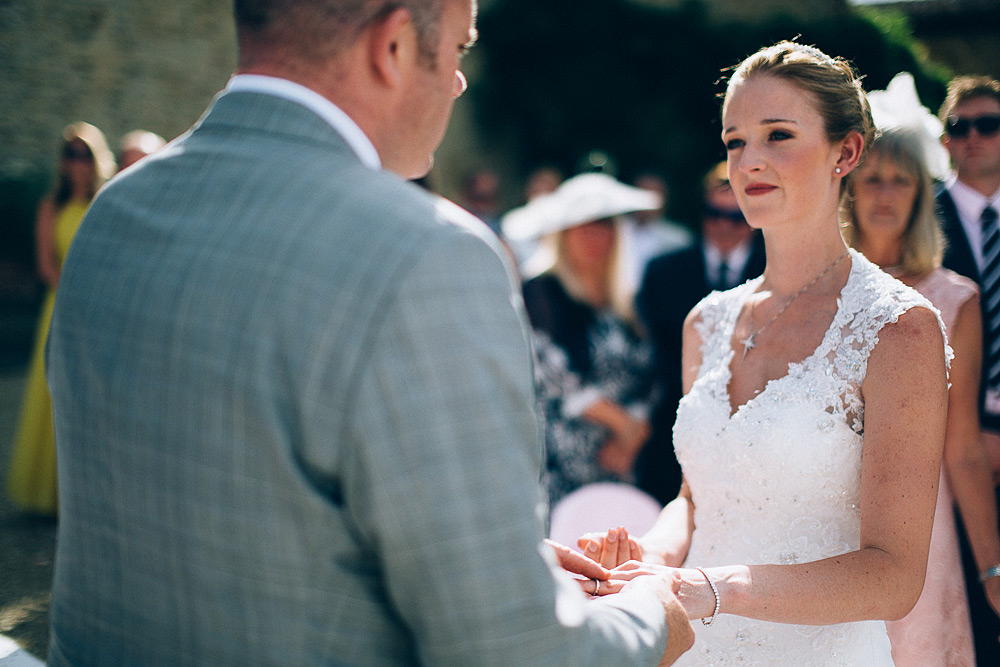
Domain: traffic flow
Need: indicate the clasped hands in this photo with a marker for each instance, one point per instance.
(611, 561)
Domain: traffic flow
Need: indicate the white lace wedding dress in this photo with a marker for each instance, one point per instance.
(778, 481)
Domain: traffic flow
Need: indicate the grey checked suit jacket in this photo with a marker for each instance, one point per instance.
(293, 405)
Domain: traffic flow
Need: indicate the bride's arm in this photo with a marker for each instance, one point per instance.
(667, 542)
(905, 412)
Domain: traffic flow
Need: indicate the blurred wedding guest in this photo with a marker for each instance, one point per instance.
(85, 162)
(968, 205)
(542, 180)
(892, 221)
(593, 370)
(136, 145)
(727, 253)
(531, 256)
(293, 390)
(647, 234)
(480, 196)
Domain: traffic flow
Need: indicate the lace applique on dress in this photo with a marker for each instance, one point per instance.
(778, 481)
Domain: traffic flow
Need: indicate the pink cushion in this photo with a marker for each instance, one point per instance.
(601, 506)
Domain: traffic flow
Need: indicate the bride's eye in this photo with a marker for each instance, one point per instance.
(779, 135)
(733, 144)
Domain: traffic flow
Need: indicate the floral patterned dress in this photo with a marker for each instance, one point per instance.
(582, 354)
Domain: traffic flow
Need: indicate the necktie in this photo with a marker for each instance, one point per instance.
(723, 281)
(990, 286)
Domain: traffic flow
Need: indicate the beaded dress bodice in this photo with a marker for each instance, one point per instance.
(778, 480)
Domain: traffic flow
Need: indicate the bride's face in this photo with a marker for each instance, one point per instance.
(781, 164)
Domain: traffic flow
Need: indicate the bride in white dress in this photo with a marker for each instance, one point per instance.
(813, 423)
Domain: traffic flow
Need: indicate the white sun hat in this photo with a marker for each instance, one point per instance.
(579, 200)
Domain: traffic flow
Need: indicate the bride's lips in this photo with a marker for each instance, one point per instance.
(759, 189)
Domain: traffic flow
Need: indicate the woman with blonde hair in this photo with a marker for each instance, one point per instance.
(797, 532)
(593, 370)
(85, 163)
(891, 219)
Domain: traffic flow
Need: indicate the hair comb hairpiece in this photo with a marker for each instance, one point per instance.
(805, 49)
(814, 52)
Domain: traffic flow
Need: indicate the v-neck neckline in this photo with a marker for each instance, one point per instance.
(792, 365)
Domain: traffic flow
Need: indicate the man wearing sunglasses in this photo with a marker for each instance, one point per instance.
(728, 253)
(968, 205)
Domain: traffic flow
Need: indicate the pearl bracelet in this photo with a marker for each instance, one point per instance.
(990, 573)
(715, 591)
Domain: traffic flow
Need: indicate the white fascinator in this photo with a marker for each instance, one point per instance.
(899, 107)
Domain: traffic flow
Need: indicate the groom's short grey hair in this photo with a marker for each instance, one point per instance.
(315, 30)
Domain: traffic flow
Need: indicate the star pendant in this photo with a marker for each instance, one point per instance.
(748, 344)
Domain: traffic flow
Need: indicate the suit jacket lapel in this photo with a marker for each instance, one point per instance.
(757, 259)
(958, 256)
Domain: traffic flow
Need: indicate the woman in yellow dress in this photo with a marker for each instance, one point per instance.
(84, 164)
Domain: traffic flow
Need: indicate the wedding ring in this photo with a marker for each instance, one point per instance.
(597, 587)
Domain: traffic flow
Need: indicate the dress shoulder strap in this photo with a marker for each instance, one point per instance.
(871, 300)
(718, 314)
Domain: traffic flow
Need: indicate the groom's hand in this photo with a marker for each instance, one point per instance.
(576, 563)
(680, 633)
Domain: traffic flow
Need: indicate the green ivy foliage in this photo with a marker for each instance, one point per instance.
(559, 78)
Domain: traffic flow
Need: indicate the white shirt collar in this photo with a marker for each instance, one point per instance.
(970, 204)
(310, 99)
(736, 260)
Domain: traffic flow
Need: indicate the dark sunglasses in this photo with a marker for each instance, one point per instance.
(77, 153)
(985, 125)
(713, 213)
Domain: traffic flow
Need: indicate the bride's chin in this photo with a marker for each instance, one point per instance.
(756, 221)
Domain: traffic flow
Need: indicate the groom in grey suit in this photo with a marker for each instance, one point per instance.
(293, 392)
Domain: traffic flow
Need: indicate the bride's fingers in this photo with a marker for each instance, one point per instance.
(624, 546)
(635, 551)
(609, 556)
(591, 548)
(632, 566)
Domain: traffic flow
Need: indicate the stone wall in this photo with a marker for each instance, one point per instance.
(155, 64)
(123, 65)
(119, 64)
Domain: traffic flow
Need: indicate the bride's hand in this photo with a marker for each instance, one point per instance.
(610, 549)
(694, 592)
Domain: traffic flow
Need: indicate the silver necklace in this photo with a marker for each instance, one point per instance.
(750, 341)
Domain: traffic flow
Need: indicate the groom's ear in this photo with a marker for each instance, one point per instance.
(393, 47)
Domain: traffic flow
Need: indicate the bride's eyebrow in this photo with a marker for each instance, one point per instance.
(766, 121)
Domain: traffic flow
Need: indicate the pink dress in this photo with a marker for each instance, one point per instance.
(937, 631)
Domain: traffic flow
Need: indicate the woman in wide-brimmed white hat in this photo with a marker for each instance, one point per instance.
(593, 370)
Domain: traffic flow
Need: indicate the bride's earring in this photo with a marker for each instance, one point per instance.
(837, 170)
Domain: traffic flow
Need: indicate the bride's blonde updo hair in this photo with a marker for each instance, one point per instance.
(833, 83)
